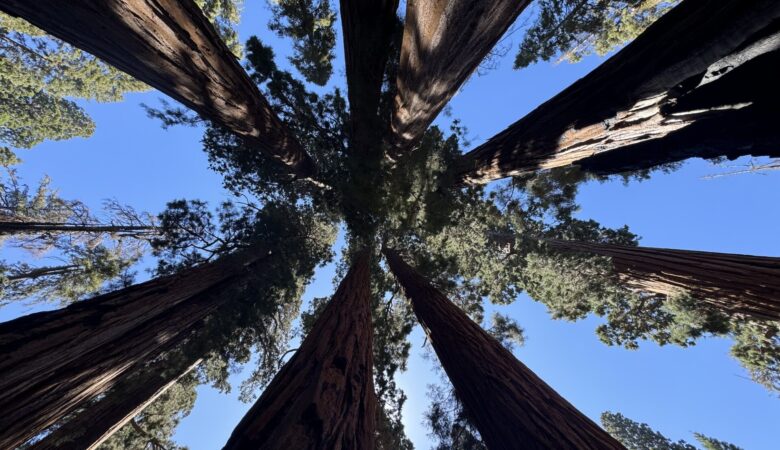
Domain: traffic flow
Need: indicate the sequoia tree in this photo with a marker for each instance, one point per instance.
(324, 396)
(734, 284)
(53, 361)
(443, 43)
(172, 47)
(504, 399)
(697, 83)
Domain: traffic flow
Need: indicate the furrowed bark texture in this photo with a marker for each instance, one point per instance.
(54, 361)
(739, 284)
(700, 82)
(97, 422)
(444, 41)
(171, 46)
(510, 406)
(323, 398)
(368, 29)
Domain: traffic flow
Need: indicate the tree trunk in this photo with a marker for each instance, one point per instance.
(700, 82)
(44, 272)
(22, 227)
(739, 284)
(510, 406)
(368, 29)
(323, 398)
(171, 46)
(98, 422)
(444, 42)
(54, 361)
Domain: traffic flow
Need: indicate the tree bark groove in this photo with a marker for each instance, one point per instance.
(323, 398)
(510, 406)
(700, 82)
(444, 41)
(171, 46)
(732, 283)
(54, 361)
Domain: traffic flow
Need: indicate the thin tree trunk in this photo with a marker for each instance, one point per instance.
(98, 422)
(323, 398)
(510, 406)
(368, 29)
(700, 82)
(43, 272)
(444, 42)
(55, 361)
(740, 284)
(171, 46)
(15, 227)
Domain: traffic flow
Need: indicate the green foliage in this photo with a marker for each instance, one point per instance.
(639, 436)
(757, 347)
(311, 26)
(225, 16)
(572, 29)
(82, 270)
(39, 76)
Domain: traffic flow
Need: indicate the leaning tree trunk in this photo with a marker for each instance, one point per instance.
(510, 406)
(323, 398)
(99, 421)
(700, 82)
(368, 29)
(444, 41)
(741, 284)
(171, 46)
(55, 361)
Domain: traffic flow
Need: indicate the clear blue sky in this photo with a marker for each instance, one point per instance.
(675, 390)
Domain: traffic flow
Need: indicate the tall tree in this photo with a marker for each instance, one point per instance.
(505, 400)
(98, 421)
(639, 436)
(324, 396)
(734, 284)
(173, 48)
(695, 84)
(56, 360)
(443, 43)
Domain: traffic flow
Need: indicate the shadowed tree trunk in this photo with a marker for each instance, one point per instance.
(444, 41)
(97, 422)
(368, 29)
(171, 46)
(55, 361)
(740, 284)
(11, 228)
(700, 82)
(510, 406)
(323, 398)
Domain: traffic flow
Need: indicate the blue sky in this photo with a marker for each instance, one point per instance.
(677, 391)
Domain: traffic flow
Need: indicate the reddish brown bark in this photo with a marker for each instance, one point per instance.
(740, 284)
(444, 41)
(323, 398)
(700, 82)
(55, 361)
(97, 422)
(171, 46)
(510, 406)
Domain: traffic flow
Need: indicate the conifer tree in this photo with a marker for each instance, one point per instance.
(324, 396)
(687, 87)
